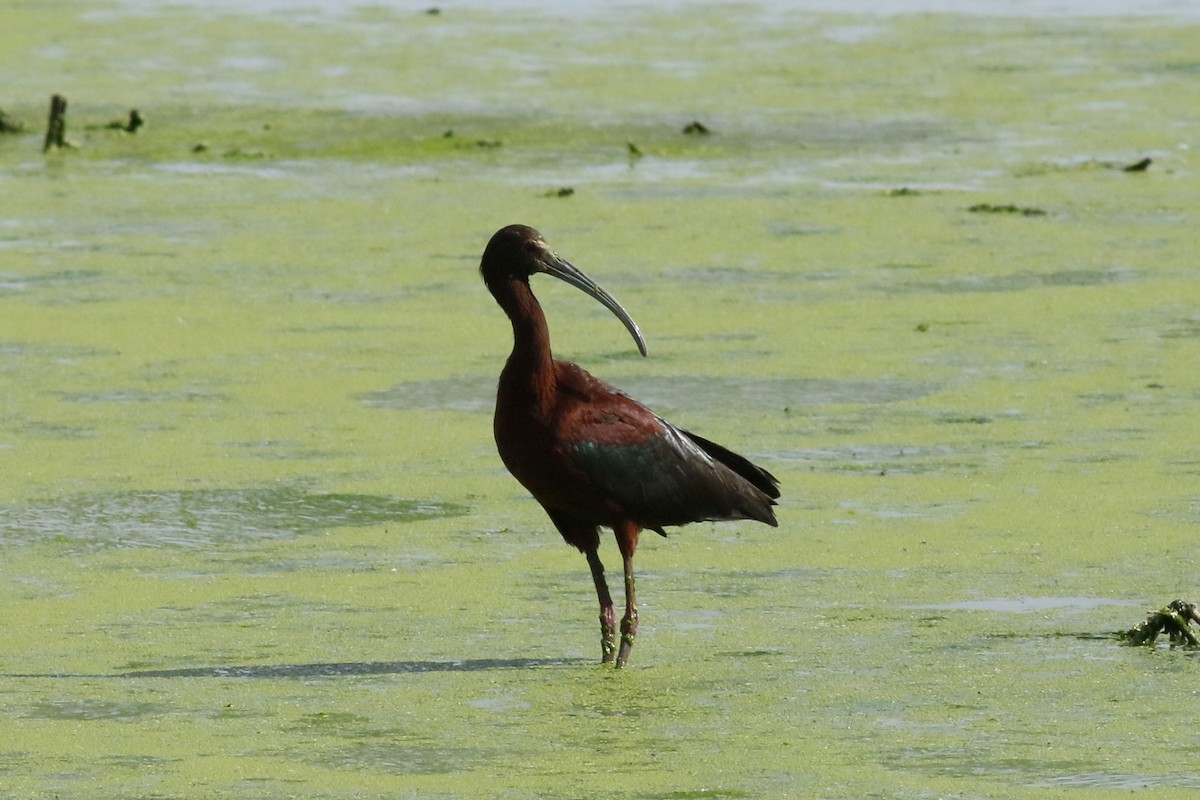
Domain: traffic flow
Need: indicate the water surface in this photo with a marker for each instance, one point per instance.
(257, 542)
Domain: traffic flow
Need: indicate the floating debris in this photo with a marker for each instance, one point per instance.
(902, 191)
(634, 152)
(696, 128)
(562, 191)
(990, 208)
(1174, 620)
(130, 125)
(1084, 165)
(8, 124)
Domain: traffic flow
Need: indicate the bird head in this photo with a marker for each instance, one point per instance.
(518, 251)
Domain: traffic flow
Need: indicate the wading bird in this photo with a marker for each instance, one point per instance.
(592, 455)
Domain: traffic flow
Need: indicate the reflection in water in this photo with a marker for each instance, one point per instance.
(332, 669)
(354, 668)
(204, 517)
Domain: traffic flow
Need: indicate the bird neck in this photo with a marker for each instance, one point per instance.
(530, 367)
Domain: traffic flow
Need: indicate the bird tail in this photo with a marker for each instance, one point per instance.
(756, 476)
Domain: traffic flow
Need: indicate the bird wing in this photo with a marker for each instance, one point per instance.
(647, 469)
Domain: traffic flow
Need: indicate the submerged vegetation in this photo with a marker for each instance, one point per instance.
(1174, 620)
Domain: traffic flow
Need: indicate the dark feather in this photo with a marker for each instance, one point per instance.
(764, 481)
(672, 478)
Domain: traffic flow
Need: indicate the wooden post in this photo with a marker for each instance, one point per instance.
(56, 128)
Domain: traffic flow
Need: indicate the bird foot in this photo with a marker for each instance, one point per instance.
(629, 627)
(608, 635)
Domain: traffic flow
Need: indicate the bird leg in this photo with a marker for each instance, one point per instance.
(627, 538)
(629, 623)
(608, 615)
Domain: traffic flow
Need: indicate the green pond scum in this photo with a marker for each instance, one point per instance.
(255, 540)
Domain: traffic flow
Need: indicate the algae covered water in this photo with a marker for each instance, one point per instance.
(256, 541)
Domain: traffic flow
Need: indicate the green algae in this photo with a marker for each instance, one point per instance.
(256, 539)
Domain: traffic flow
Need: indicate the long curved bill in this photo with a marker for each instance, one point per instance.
(567, 272)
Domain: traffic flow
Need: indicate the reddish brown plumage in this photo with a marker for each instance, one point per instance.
(592, 455)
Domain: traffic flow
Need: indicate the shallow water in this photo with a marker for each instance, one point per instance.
(257, 542)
